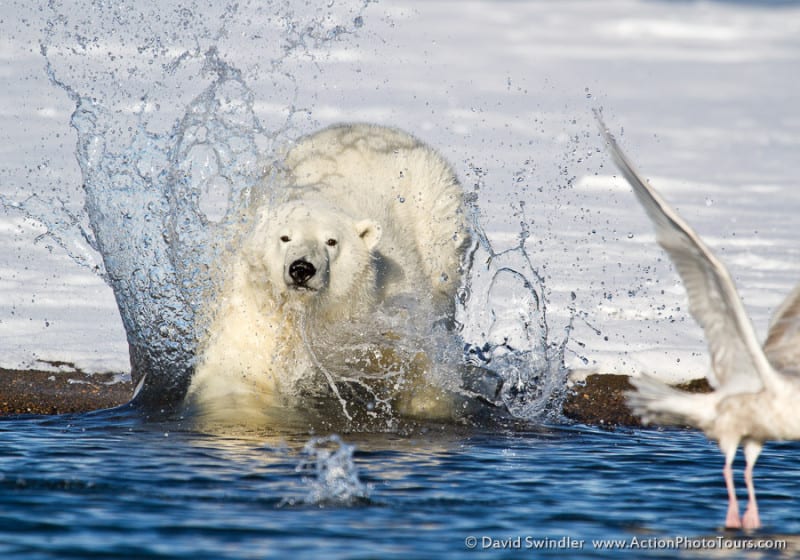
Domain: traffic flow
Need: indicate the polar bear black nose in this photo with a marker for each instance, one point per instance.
(301, 270)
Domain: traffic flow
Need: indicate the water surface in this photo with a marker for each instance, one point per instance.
(113, 486)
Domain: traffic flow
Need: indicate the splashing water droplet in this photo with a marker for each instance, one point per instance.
(506, 296)
(330, 473)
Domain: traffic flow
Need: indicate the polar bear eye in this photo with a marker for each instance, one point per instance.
(331, 242)
(285, 238)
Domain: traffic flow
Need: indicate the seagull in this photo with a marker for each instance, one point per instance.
(756, 390)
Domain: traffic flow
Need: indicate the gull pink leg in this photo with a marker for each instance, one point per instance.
(751, 520)
(732, 520)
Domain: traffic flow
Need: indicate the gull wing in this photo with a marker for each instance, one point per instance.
(739, 364)
(782, 346)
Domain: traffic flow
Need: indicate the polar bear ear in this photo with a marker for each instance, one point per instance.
(370, 232)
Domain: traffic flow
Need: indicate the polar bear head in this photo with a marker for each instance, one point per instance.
(310, 250)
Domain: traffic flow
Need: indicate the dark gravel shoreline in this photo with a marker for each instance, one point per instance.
(597, 401)
(600, 400)
(47, 392)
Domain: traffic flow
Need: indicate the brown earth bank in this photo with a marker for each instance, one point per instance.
(47, 392)
(599, 400)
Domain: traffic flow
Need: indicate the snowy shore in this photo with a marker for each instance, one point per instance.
(705, 92)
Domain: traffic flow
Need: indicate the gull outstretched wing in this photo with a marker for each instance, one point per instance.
(739, 363)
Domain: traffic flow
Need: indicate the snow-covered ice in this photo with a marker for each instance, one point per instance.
(702, 95)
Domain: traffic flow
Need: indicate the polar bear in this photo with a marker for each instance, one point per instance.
(366, 235)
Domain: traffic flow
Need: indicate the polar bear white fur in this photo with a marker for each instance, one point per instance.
(369, 218)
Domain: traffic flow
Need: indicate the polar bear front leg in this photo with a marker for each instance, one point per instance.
(420, 397)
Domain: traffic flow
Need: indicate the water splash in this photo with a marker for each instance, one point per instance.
(145, 205)
(159, 201)
(330, 474)
(503, 304)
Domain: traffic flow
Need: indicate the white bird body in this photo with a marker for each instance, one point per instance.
(756, 395)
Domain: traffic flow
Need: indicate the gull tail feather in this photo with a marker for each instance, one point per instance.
(657, 403)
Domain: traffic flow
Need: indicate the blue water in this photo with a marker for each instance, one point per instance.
(110, 485)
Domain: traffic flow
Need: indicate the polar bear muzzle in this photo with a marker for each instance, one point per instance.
(300, 271)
